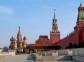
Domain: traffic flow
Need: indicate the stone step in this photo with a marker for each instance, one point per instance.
(54, 58)
(55, 61)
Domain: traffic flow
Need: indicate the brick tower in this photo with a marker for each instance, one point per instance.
(80, 22)
(80, 19)
(54, 34)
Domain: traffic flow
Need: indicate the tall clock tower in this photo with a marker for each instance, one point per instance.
(54, 34)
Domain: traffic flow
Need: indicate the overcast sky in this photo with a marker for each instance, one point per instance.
(35, 18)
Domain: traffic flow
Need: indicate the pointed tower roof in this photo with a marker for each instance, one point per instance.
(19, 32)
(54, 14)
(19, 28)
(81, 5)
(80, 13)
(54, 24)
(19, 36)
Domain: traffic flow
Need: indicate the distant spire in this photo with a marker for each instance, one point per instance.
(19, 36)
(80, 4)
(80, 13)
(54, 24)
(54, 13)
(19, 28)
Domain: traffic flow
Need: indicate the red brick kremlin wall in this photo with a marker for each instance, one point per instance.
(78, 34)
(74, 37)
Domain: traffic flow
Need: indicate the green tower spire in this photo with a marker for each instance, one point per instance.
(81, 13)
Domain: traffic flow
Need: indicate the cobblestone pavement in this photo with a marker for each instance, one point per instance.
(17, 58)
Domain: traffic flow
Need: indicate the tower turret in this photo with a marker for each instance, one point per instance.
(80, 18)
(13, 44)
(12, 39)
(54, 24)
(80, 13)
(24, 42)
(19, 38)
(54, 34)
